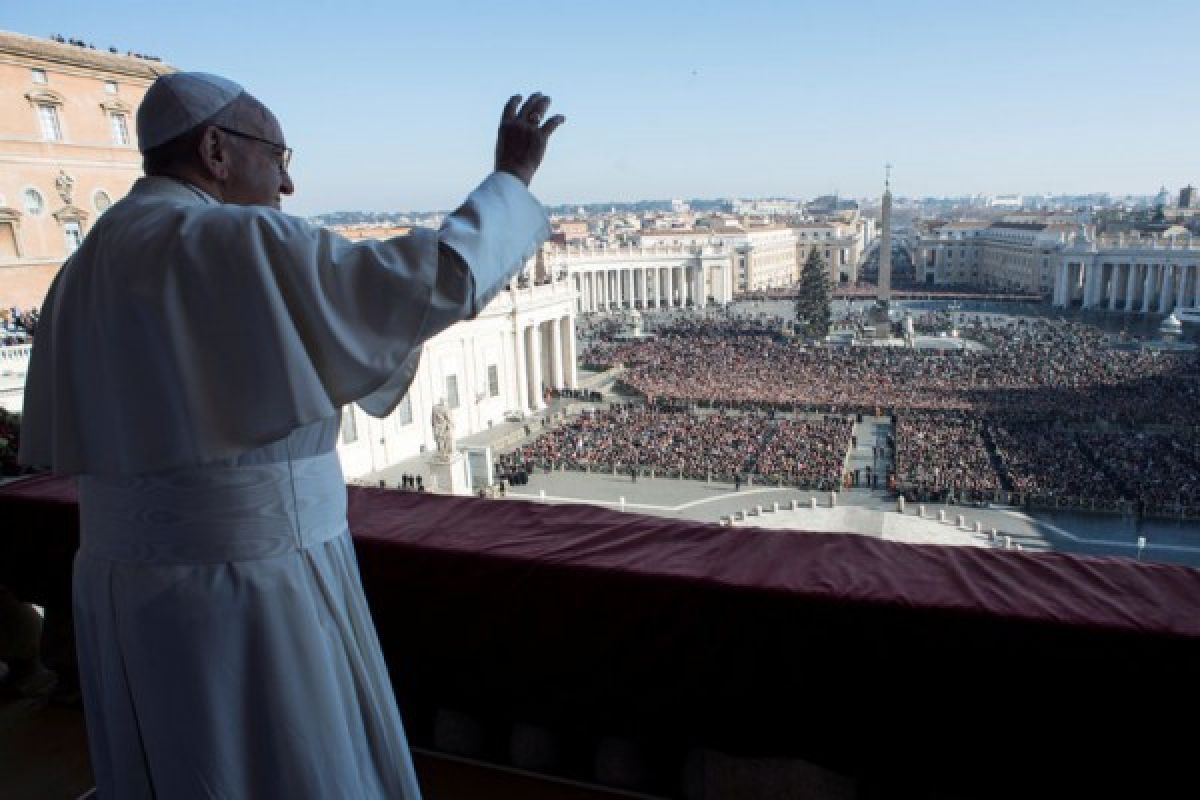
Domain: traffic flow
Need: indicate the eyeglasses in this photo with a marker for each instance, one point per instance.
(285, 153)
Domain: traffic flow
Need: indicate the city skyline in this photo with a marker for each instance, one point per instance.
(694, 101)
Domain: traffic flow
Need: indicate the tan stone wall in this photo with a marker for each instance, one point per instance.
(25, 286)
(86, 154)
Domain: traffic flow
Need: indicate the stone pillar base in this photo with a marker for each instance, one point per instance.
(449, 476)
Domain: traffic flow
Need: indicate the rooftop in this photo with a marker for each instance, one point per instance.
(52, 51)
(1018, 226)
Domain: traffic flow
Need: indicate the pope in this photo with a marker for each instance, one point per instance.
(190, 367)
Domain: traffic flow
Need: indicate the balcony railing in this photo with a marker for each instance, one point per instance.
(14, 359)
(587, 643)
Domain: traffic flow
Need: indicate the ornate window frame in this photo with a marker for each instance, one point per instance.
(116, 105)
(41, 96)
(71, 213)
(12, 217)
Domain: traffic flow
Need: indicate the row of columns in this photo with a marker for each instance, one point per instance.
(1131, 287)
(545, 357)
(612, 288)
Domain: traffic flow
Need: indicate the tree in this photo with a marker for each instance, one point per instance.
(813, 313)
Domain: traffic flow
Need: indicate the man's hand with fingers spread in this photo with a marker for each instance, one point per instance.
(521, 141)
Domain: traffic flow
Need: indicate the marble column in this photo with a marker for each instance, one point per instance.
(570, 356)
(536, 401)
(1089, 285)
(671, 287)
(556, 354)
(1061, 289)
(1131, 286)
(1148, 288)
(1166, 301)
(522, 368)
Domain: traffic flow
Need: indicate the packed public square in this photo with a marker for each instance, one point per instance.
(1041, 413)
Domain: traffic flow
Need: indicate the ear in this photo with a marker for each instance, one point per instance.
(214, 154)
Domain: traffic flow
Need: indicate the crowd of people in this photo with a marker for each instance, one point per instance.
(943, 454)
(17, 326)
(806, 452)
(1046, 464)
(1156, 472)
(1052, 370)
(1046, 412)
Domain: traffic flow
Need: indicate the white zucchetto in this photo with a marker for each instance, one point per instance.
(177, 102)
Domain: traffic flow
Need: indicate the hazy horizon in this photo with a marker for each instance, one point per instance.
(393, 109)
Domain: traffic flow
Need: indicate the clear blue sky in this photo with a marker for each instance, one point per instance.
(393, 105)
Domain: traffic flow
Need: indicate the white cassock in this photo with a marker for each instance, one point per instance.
(189, 367)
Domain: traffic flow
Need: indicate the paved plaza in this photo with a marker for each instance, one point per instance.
(872, 513)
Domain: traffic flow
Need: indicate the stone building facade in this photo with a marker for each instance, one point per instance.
(68, 150)
(1129, 273)
(689, 273)
(1010, 256)
(489, 369)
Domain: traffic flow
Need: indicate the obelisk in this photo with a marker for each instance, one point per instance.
(884, 294)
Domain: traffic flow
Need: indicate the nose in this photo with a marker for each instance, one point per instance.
(286, 186)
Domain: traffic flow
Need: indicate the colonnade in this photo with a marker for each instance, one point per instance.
(1130, 285)
(618, 287)
(545, 357)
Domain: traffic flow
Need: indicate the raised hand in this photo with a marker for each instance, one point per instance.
(521, 140)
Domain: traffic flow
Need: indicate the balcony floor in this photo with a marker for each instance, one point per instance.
(43, 756)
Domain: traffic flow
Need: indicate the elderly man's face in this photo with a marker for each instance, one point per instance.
(258, 176)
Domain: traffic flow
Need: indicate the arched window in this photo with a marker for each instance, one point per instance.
(34, 205)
